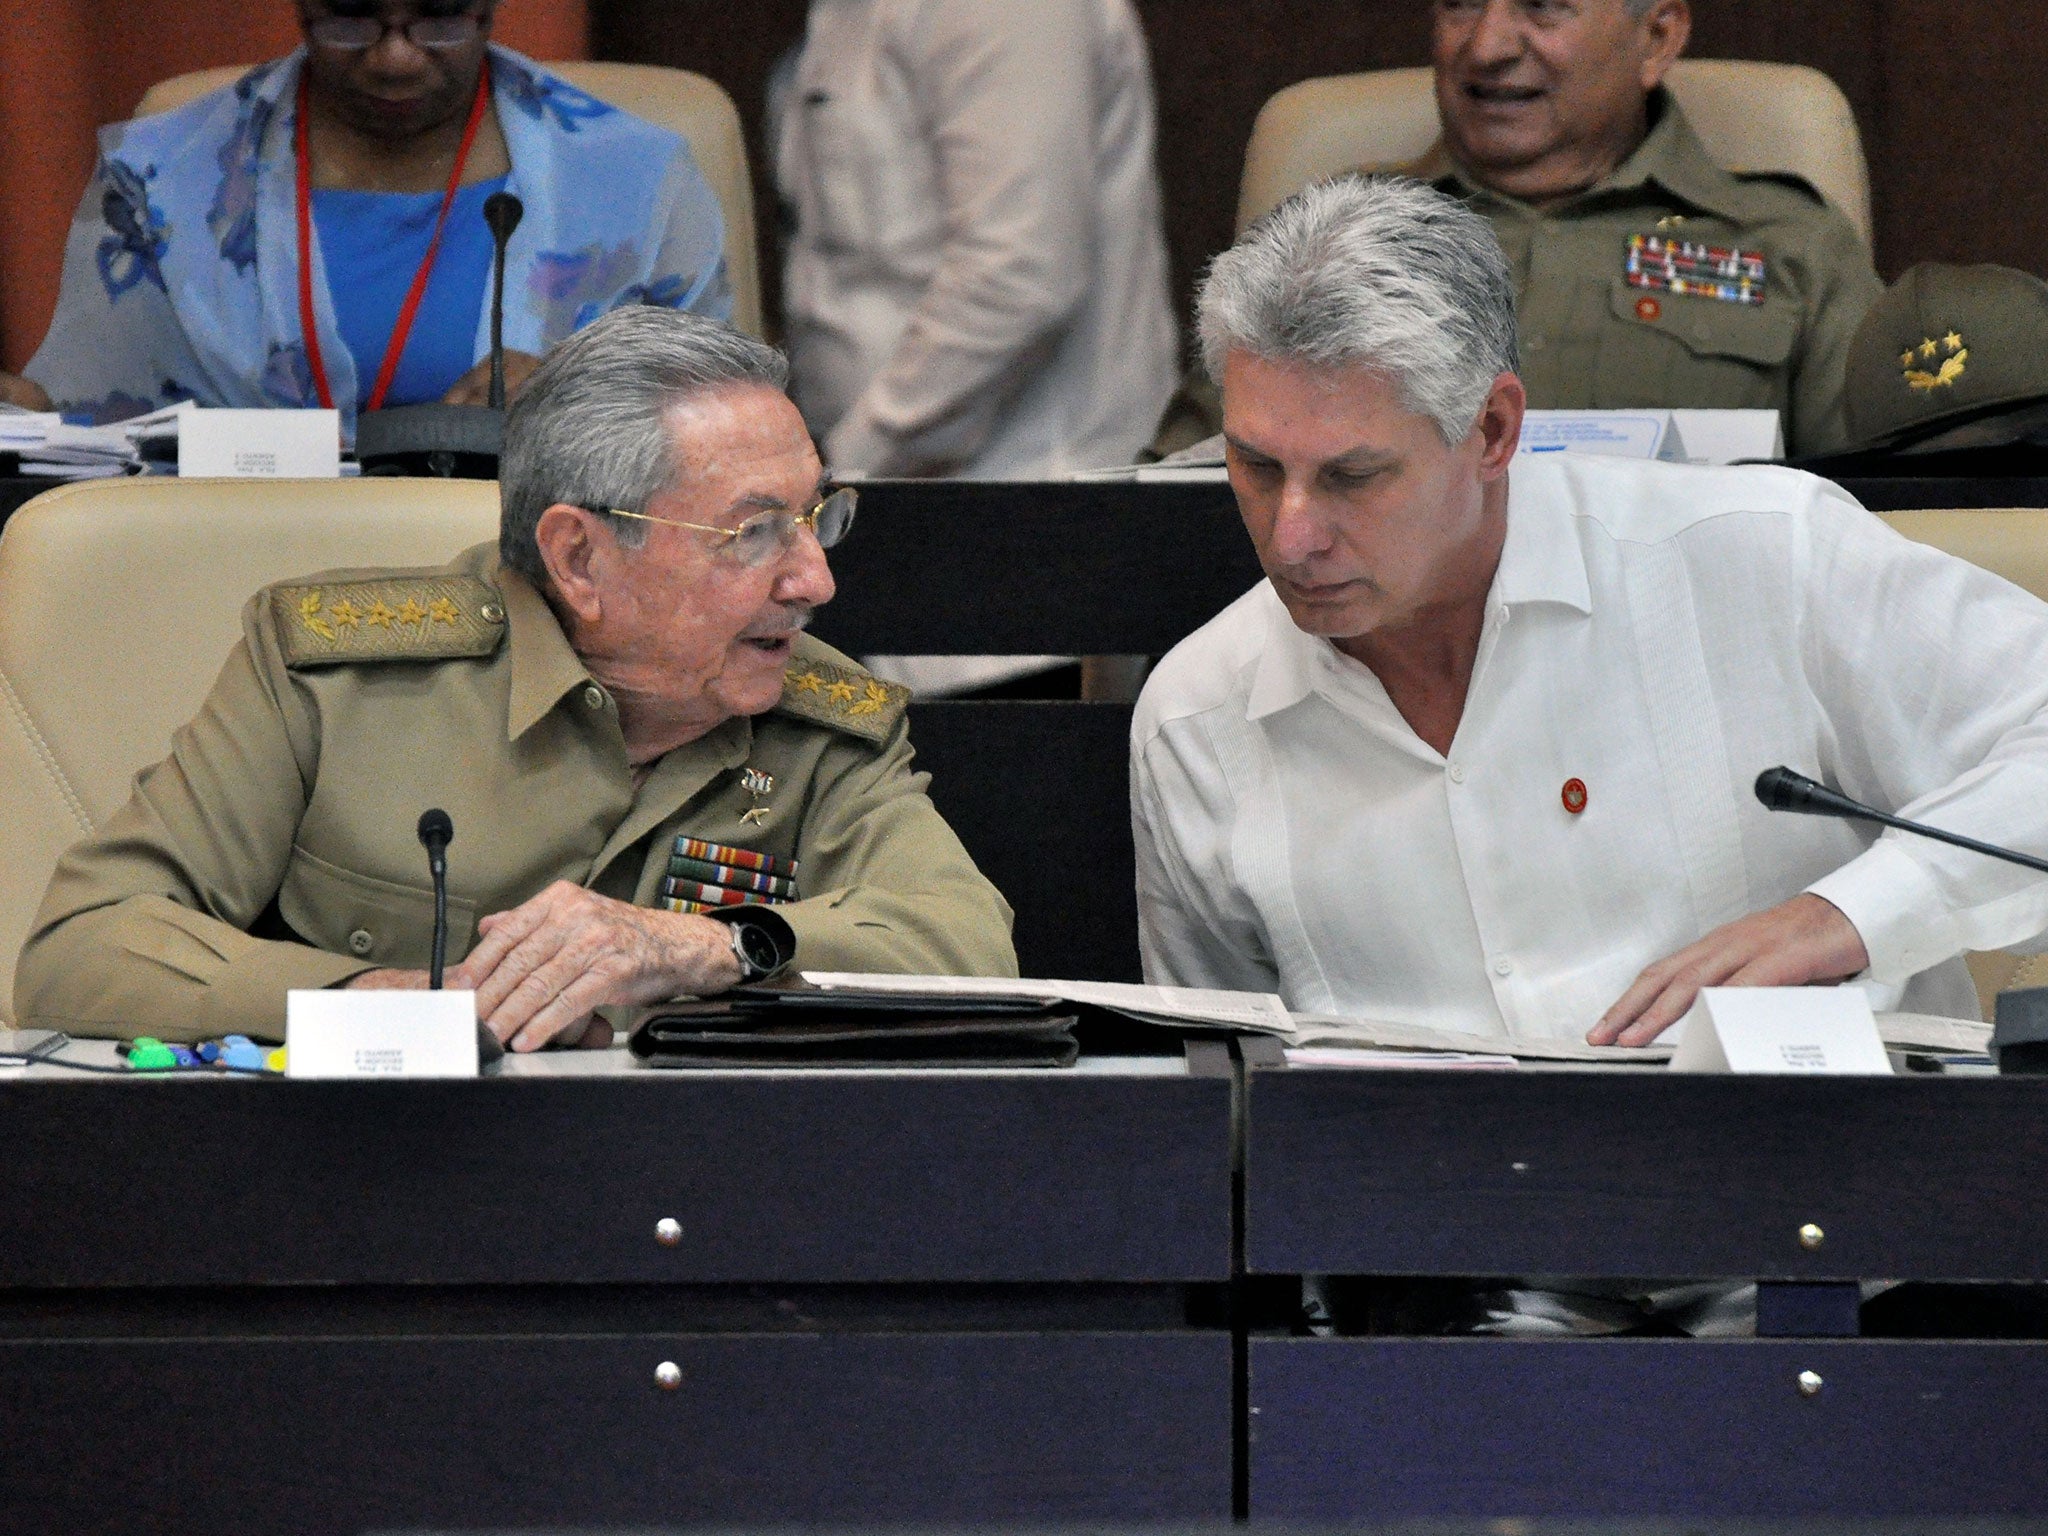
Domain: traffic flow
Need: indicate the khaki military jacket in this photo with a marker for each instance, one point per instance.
(356, 700)
(1591, 340)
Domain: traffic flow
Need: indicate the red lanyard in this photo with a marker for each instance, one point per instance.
(409, 311)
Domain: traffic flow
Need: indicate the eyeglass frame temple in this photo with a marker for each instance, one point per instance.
(802, 519)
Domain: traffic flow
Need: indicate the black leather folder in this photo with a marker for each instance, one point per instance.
(798, 1025)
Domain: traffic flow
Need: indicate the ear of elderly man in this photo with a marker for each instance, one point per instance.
(617, 704)
(1479, 749)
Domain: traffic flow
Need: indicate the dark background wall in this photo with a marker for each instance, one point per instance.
(1951, 95)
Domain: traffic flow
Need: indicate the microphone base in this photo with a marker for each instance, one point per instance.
(2019, 1038)
(449, 442)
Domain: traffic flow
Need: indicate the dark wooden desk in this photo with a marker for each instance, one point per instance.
(301, 1307)
(1643, 1174)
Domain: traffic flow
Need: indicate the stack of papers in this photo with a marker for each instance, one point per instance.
(1262, 1012)
(49, 446)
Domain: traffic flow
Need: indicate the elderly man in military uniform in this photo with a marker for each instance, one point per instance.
(1645, 274)
(617, 705)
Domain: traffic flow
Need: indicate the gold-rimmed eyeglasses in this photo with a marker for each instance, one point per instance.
(766, 535)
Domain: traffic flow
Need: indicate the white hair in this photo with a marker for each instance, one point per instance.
(1370, 272)
(591, 427)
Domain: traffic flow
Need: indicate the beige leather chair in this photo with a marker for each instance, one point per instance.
(684, 103)
(2013, 543)
(119, 601)
(1751, 117)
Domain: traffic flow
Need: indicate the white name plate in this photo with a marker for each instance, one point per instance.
(1645, 434)
(293, 445)
(1728, 437)
(333, 1033)
(1800, 1031)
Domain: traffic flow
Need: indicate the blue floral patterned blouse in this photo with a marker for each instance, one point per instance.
(181, 269)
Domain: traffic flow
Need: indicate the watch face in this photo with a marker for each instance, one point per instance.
(756, 947)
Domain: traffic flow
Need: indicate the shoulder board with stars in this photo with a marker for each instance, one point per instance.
(845, 698)
(406, 618)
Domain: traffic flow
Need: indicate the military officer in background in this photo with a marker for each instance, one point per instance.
(618, 707)
(1558, 128)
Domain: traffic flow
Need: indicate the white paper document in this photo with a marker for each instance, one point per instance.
(1261, 1011)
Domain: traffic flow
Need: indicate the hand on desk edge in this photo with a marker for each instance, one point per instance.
(1801, 942)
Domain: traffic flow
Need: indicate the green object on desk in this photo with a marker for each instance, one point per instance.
(150, 1055)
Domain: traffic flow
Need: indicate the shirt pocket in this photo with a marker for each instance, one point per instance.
(871, 188)
(1670, 349)
(379, 922)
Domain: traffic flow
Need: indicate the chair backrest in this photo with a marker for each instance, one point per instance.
(118, 602)
(1751, 117)
(2011, 542)
(2007, 541)
(676, 99)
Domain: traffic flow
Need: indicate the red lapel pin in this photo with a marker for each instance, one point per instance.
(1574, 795)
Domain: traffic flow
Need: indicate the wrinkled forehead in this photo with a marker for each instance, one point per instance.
(743, 442)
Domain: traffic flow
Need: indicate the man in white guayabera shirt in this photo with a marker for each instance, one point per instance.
(1479, 752)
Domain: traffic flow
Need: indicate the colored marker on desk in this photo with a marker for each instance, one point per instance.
(148, 1054)
(238, 1053)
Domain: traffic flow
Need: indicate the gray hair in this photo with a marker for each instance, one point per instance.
(590, 428)
(1374, 272)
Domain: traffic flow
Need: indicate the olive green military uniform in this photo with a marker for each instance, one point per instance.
(356, 700)
(1591, 340)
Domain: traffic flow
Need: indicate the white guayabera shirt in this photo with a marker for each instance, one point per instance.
(1660, 634)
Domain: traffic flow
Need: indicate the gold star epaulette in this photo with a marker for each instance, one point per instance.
(845, 698)
(406, 618)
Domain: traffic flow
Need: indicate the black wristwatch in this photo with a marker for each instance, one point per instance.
(762, 940)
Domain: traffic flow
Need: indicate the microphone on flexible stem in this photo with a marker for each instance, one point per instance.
(436, 832)
(502, 211)
(447, 440)
(1780, 789)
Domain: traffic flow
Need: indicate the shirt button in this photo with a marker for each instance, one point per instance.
(1457, 773)
(360, 941)
(593, 697)
(1503, 967)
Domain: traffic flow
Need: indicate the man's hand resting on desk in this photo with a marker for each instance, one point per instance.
(474, 387)
(1804, 941)
(541, 970)
(27, 393)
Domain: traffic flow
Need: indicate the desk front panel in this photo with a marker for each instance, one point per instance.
(1347, 1430)
(832, 1178)
(307, 1436)
(1640, 1173)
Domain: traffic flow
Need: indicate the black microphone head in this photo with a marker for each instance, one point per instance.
(1781, 789)
(503, 211)
(436, 830)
